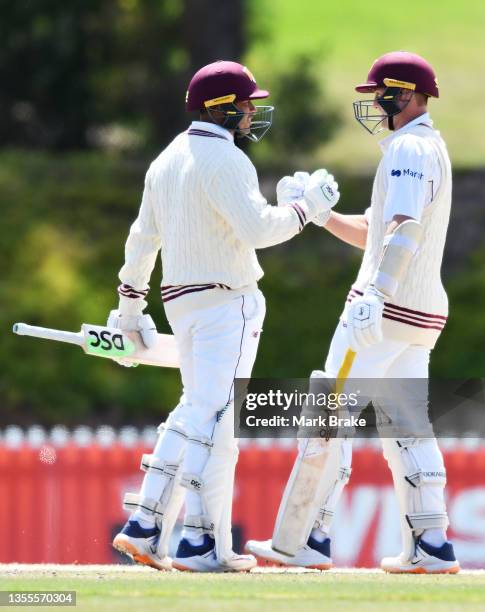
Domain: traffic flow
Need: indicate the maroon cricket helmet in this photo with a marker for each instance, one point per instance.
(401, 69)
(219, 83)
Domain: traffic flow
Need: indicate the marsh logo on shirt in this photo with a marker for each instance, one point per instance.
(407, 172)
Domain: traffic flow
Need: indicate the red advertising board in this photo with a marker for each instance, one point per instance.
(64, 505)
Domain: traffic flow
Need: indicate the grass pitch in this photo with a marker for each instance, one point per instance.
(142, 589)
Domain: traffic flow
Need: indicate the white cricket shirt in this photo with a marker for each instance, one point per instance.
(413, 179)
(203, 209)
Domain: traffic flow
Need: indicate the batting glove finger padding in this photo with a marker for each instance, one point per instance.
(302, 177)
(141, 323)
(288, 190)
(148, 331)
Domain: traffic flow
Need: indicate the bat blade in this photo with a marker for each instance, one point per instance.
(110, 343)
(115, 344)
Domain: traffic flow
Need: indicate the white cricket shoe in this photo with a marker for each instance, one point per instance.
(314, 555)
(141, 545)
(238, 563)
(427, 560)
(202, 558)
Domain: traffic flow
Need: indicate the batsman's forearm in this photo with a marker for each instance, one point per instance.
(351, 229)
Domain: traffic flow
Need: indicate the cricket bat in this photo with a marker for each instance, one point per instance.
(303, 493)
(111, 343)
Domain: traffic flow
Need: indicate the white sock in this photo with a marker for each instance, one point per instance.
(144, 520)
(435, 537)
(195, 539)
(319, 535)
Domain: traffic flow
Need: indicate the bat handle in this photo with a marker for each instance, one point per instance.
(23, 329)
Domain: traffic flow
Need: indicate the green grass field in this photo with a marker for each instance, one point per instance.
(350, 34)
(141, 589)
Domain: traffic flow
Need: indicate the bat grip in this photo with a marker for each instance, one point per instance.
(23, 329)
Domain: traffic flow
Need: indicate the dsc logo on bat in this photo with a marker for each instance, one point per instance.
(105, 342)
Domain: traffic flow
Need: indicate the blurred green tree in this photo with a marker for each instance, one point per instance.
(214, 30)
(50, 51)
(304, 117)
(73, 72)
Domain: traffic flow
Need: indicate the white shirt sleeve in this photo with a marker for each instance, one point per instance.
(234, 193)
(410, 178)
(141, 249)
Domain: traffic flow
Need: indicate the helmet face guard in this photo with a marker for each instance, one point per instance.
(370, 117)
(261, 120)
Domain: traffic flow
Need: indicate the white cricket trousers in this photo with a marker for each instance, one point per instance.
(386, 359)
(216, 345)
